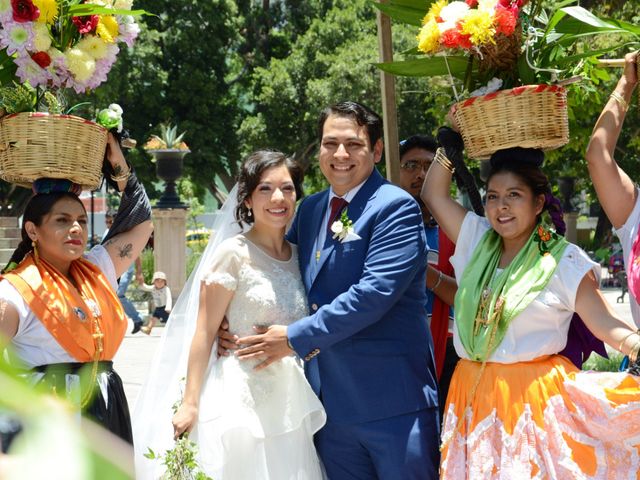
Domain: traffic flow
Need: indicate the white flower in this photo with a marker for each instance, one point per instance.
(116, 108)
(123, 4)
(487, 5)
(492, 86)
(454, 12)
(344, 231)
(41, 37)
(94, 46)
(80, 64)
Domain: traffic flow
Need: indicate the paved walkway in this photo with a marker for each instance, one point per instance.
(135, 355)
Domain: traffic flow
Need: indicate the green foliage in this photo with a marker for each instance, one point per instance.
(18, 98)
(180, 461)
(52, 439)
(554, 40)
(600, 364)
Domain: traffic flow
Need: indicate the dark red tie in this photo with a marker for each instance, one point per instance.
(337, 205)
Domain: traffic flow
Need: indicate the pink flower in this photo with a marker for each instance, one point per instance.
(86, 24)
(24, 11)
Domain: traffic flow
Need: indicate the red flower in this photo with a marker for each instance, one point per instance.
(86, 24)
(472, 3)
(512, 3)
(24, 11)
(505, 20)
(41, 58)
(452, 38)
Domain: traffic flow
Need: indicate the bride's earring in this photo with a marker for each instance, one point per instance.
(249, 214)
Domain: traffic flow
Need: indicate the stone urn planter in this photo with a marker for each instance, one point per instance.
(169, 166)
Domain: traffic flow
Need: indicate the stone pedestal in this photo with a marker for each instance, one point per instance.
(571, 219)
(169, 246)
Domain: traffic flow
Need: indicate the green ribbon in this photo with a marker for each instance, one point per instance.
(516, 287)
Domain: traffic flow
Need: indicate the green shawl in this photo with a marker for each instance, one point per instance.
(505, 294)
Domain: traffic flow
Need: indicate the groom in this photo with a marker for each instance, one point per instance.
(366, 344)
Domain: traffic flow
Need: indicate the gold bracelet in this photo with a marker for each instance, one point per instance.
(123, 176)
(633, 353)
(637, 332)
(441, 158)
(620, 100)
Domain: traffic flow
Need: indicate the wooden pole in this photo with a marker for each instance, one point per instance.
(388, 91)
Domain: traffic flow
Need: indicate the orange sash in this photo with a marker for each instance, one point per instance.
(68, 314)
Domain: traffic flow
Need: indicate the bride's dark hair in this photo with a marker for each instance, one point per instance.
(251, 172)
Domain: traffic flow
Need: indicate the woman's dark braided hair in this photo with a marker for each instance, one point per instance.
(523, 162)
(453, 145)
(39, 206)
(526, 163)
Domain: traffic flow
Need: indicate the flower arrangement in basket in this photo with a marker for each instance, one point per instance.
(517, 45)
(48, 46)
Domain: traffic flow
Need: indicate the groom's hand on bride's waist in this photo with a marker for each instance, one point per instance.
(226, 339)
(269, 347)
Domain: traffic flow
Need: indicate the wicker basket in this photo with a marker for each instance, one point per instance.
(533, 116)
(36, 145)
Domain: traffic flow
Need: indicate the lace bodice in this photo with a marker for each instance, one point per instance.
(267, 291)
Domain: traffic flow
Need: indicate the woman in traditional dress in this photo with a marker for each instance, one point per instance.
(516, 408)
(59, 311)
(247, 423)
(617, 193)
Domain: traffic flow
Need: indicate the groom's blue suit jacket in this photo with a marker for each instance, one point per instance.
(367, 344)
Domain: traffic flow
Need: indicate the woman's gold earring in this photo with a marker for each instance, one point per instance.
(34, 245)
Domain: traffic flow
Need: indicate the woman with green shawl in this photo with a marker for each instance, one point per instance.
(516, 408)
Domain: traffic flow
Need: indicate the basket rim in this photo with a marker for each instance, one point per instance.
(516, 91)
(52, 116)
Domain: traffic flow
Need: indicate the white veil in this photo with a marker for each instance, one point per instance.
(163, 387)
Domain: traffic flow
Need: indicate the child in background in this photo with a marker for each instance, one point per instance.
(161, 300)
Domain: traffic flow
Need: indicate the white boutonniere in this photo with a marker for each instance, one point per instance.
(343, 229)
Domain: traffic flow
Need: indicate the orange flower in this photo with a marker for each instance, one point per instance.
(544, 235)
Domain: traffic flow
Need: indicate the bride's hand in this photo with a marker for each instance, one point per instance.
(184, 419)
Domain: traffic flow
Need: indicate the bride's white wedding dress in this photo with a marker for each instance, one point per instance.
(254, 425)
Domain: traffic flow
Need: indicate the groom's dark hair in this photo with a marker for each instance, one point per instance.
(362, 114)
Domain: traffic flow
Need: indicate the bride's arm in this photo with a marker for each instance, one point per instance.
(213, 303)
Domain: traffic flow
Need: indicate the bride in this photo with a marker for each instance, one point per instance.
(247, 423)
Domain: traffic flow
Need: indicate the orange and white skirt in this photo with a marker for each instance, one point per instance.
(542, 419)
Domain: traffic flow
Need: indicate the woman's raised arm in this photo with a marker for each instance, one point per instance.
(132, 225)
(616, 191)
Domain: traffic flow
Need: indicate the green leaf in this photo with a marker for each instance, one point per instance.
(150, 454)
(585, 16)
(427, 67)
(402, 14)
(591, 53)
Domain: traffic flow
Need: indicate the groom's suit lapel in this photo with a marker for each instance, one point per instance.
(317, 217)
(356, 208)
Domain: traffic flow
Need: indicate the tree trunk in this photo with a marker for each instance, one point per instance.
(602, 228)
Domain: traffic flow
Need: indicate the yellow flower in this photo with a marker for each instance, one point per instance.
(479, 25)
(94, 46)
(48, 10)
(434, 11)
(80, 64)
(107, 28)
(429, 38)
(41, 37)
